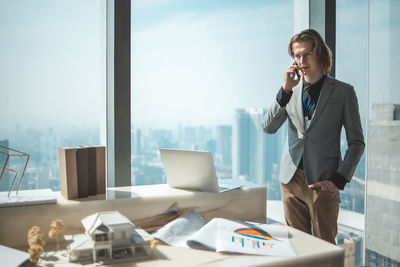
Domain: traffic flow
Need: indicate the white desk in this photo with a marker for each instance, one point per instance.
(144, 202)
(310, 251)
(143, 205)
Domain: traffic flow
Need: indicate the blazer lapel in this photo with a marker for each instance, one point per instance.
(326, 91)
(298, 106)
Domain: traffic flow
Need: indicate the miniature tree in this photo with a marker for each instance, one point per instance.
(36, 243)
(153, 243)
(56, 227)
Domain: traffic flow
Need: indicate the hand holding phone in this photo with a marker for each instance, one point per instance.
(296, 70)
(292, 77)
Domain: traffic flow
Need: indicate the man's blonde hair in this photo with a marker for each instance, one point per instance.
(322, 52)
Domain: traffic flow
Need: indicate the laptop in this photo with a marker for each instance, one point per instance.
(191, 170)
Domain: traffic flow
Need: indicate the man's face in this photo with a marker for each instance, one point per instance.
(305, 59)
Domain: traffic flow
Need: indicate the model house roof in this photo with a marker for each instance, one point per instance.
(78, 242)
(141, 236)
(104, 221)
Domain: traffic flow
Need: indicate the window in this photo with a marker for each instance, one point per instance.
(101, 237)
(203, 74)
(368, 59)
(123, 235)
(352, 67)
(102, 253)
(383, 171)
(53, 82)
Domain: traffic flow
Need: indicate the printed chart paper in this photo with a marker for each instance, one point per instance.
(223, 235)
(253, 238)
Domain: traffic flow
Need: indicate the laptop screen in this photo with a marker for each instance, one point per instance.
(190, 169)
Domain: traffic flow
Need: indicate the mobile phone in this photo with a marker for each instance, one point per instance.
(295, 70)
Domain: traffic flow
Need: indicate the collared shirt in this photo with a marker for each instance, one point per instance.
(310, 91)
(311, 95)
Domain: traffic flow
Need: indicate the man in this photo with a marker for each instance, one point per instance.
(316, 106)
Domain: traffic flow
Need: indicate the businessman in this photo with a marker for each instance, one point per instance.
(316, 106)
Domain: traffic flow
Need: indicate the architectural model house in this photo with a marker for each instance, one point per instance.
(109, 237)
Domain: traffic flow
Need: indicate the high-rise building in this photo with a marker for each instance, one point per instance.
(211, 146)
(353, 197)
(204, 134)
(224, 144)
(161, 138)
(352, 243)
(382, 223)
(241, 144)
(254, 152)
(190, 137)
(137, 144)
(349, 250)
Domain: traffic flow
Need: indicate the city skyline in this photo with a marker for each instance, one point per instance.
(261, 165)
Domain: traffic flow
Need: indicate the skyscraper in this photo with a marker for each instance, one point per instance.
(254, 152)
(241, 144)
(383, 187)
(190, 137)
(224, 144)
(137, 144)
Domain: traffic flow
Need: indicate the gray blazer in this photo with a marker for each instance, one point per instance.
(319, 144)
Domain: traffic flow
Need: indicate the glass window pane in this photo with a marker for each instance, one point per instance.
(53, 81)
(383, 184)
(203, 73)
(351, 67)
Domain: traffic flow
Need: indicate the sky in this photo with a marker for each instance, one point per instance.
(199, 61)
(51, 63)
(193, 62)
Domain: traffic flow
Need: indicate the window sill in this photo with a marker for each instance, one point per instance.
(27, 197)
(131, 192)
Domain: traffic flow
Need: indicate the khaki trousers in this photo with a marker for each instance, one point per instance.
(308, 210)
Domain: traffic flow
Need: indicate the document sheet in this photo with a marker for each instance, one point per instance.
(223, 235)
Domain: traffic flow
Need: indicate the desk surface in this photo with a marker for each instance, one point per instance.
(145, 203)
(145, 206)
(310, 251)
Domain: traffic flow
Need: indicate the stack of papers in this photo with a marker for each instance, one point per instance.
(223, 235)
(12, 257)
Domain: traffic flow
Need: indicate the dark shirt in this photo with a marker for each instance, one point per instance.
(311, 94)
(311, 91)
